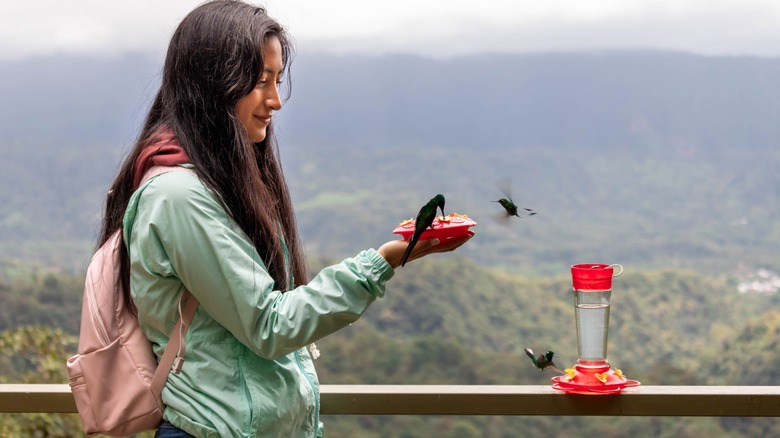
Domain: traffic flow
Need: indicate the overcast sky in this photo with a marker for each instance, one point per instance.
(438, 28)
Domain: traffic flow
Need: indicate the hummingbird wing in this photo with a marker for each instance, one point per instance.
(504, 184)
(424, 219)
(530, 353)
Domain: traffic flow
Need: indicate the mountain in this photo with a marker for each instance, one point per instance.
(641, 158)
(572, 101)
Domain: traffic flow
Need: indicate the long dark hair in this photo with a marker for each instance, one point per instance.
(214, 59)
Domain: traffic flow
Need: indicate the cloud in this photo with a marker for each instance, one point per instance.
(47, 27)
(429, 27)
(715, 27)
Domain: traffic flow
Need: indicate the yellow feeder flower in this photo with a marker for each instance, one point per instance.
(602, 377)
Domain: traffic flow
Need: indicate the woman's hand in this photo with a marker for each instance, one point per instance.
(393, 251)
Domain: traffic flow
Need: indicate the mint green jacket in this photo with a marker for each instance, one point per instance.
(246, 372)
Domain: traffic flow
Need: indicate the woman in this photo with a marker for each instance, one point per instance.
(226, 232)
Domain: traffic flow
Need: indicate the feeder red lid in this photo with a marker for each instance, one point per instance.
(593, 276)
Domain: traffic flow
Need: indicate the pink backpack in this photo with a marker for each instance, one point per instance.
(115, 379)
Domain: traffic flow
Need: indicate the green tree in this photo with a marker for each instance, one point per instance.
(36, 354)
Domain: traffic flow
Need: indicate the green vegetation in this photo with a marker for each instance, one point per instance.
(667, 327)
(712, 215)
(50, 299)
(36, 355)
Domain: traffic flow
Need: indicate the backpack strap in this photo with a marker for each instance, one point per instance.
(159, 170)
(173, 357)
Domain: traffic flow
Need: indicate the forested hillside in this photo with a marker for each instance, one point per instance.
(642, 158)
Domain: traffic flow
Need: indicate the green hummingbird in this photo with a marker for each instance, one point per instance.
(423, 221)
(543, 361)
(509, 205)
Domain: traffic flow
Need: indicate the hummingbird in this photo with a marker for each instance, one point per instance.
(509, 205)
(543, 361)
(423, 221)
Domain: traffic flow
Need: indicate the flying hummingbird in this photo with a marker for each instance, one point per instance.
(543, 361)
(424, 220)
(509, 205)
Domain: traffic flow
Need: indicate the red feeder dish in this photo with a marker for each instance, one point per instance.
(444, 227)
(592, 380)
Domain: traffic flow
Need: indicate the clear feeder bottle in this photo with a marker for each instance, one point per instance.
(592, 374)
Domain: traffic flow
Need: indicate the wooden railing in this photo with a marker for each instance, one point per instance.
(671, 401)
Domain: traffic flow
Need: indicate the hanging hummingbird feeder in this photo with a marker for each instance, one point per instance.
(592, 374)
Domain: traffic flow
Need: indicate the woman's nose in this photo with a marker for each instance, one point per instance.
(274, 101)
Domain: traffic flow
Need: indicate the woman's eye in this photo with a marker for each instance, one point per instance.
(263, 83)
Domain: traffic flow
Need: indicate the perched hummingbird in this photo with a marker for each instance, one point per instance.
(509, 205)
(543, 361)
(424, 220)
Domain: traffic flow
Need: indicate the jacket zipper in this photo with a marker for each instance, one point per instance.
(313, 390)
(290, 282)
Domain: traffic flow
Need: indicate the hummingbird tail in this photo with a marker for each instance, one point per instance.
(407, 252)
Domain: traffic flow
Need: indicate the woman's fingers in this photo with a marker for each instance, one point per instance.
(393, 250)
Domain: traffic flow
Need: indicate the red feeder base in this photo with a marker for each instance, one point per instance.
(592, 380)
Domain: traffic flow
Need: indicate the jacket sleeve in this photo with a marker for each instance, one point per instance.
(184, 233)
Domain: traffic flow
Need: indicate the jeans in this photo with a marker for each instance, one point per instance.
(168, 430)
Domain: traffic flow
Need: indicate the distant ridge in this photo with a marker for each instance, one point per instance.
(641, 157)
(561, 99)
